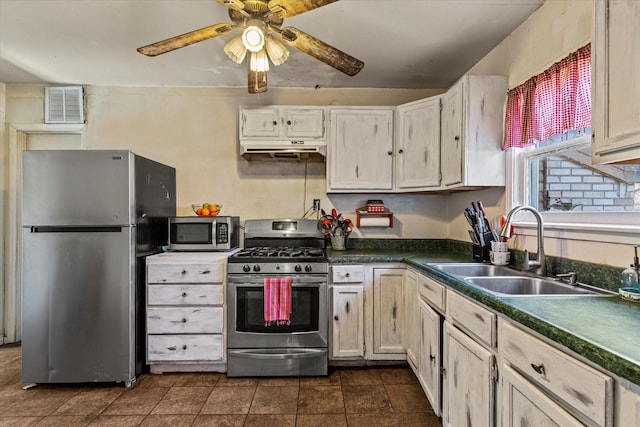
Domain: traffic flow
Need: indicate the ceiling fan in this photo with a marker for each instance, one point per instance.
(258, 26)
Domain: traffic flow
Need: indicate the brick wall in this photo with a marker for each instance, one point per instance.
(566, 185)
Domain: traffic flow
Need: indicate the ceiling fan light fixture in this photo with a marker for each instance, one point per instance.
(276, 50)
(258, 61)
(236, 50)
(253, 36)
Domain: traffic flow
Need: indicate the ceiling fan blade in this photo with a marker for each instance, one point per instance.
(257, 81)
(321, 51)
(183, 40)
(289, 8)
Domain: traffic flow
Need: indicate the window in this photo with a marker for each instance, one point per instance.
(548, 137)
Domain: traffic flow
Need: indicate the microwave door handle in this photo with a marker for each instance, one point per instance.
(214, 230)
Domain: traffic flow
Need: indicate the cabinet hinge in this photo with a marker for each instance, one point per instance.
(494, 372)
(443, 371)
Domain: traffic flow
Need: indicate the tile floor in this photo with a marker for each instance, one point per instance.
(389, 396)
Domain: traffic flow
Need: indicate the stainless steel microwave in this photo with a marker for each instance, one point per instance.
(204, 233)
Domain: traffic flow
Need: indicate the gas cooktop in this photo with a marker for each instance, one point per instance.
(279, 254)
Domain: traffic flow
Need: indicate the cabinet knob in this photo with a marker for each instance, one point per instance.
(184, 320)
(184, 294)
(347, 275)
(390, 153)
(400, 151)
(432, 357)
(183, 272)
(288, 122)
(275, 122)
(336, 318)
(538, 368)
(457, 138)
(184, 347)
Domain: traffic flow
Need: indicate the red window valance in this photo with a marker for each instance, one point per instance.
(551, 103)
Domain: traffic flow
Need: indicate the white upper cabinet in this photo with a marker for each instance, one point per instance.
(360, 150)
(282, 122)
(616, 82)
(472, 126)
(418, 145)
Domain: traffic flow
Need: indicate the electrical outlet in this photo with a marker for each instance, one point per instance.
(316, 204)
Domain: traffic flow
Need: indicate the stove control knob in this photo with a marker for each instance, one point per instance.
(246, 268)
(298, 268)
(256, 268)
(307, 268)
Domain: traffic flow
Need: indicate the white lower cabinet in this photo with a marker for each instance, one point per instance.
(412, 334)
(347, 315)
(627, 411)
(582, 390)
(388, 314)
(347, 324)
(524, 405)
(430, 355)
(185, 312)
(468, 387)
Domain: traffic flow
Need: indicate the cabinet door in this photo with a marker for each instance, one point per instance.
(360, 153)
(259, 122)
(468, 387)
(418, 146)
(348, 321)
(412, 314)
(429, 356)
(524, 405)
(452, 135)
(304, 122)
(388, 310)
(616, 85)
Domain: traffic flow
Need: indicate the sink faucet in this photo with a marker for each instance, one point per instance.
(538, 266)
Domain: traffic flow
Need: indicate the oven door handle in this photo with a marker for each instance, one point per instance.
(298, 281)
(267, 354)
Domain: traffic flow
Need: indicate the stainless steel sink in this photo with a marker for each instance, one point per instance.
(513, 286)
(476, 269)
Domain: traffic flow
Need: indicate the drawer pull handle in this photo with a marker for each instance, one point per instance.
(538, 368)
(172, 348)
(184, 294)
(183, 320)
(183, 272)
(184, 347)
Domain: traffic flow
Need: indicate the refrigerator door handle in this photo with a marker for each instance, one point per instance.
(58, 229)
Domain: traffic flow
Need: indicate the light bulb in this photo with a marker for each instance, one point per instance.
(259, 61)
(276, 50)
(235, 50)
(253, 38)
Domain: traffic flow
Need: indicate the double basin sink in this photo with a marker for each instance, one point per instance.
(504, 281)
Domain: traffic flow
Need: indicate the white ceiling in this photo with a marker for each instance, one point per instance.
(403, 43)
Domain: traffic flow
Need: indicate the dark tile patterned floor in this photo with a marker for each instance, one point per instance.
(389, 396)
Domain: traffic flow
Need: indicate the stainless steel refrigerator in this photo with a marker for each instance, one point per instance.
(89, 219)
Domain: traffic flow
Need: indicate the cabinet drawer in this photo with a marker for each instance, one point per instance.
(183, 348)
(185, 273)
(582, 387)
(347, 274)
(432, 291)
(195, 320)
(475, 319)
(176, 294)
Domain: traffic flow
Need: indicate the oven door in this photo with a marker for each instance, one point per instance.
(245, 313)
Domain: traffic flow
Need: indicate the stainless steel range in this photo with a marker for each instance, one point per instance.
(292, 252)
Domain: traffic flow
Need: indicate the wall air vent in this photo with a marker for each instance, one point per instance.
(64, 104)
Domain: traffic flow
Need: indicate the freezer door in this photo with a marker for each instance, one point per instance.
(78, 187)
(78, 306)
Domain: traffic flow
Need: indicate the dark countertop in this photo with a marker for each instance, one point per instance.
(602, 329)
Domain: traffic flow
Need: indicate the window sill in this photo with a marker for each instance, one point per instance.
(593, 232)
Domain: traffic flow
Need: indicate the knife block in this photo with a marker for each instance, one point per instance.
(481, 253)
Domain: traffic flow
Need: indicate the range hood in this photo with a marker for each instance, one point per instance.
(284, 150)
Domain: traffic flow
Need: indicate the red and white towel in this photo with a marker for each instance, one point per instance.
(277, 301)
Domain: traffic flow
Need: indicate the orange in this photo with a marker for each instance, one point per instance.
(199, 211)
(205, 211)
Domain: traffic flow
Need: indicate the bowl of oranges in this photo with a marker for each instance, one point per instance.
(207, 209)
